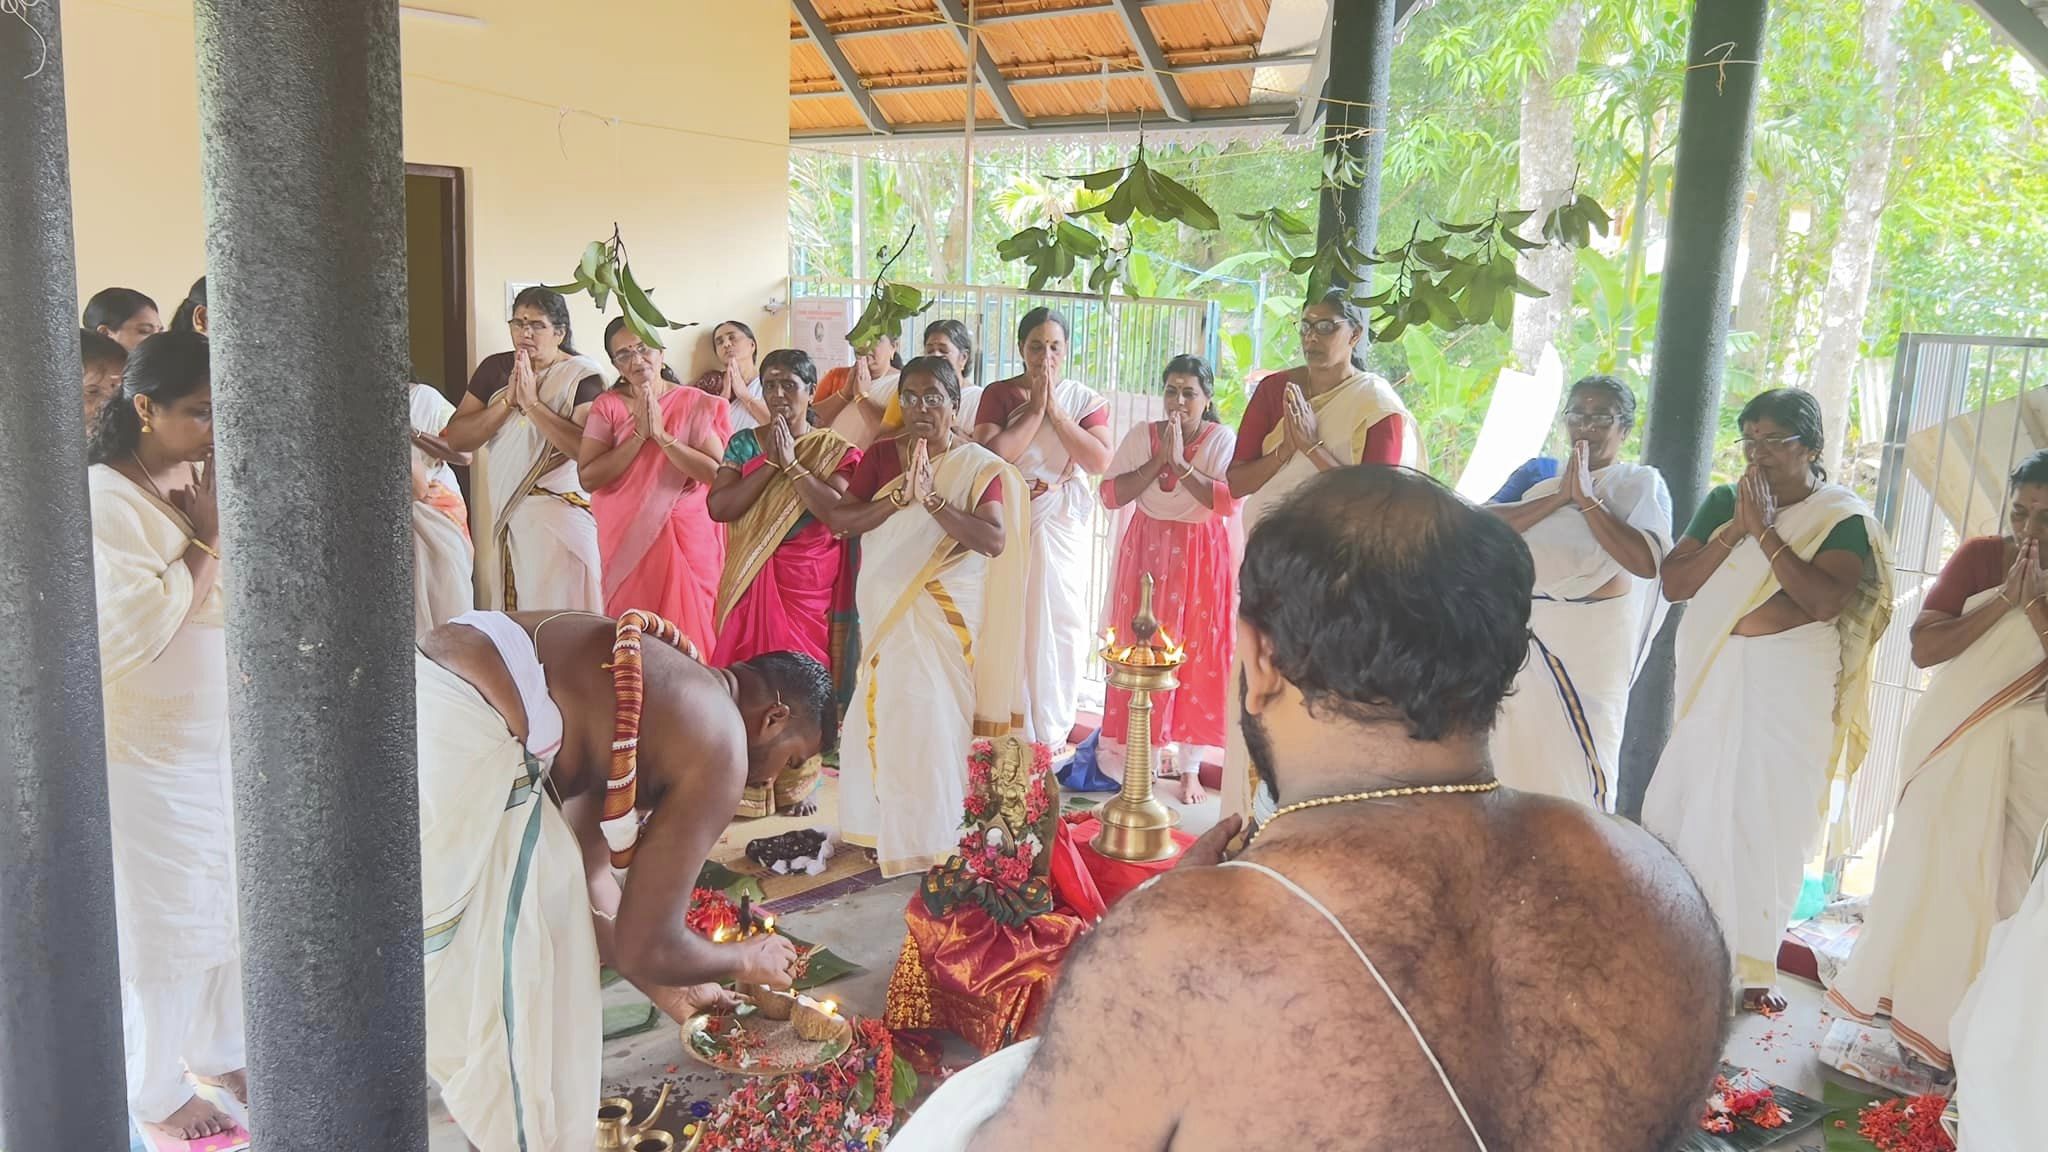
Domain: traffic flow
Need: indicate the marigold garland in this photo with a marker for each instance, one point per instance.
(622, 785)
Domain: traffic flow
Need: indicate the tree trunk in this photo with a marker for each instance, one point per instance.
(1548, 160)
(1753, 304)
(1637, 253)
(1847, 295)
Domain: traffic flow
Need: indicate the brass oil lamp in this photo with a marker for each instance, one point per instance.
(1135, 825)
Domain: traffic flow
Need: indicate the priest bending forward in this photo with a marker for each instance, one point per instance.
(531, 725)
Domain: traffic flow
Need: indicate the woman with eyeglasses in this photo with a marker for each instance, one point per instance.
(1169, 473)
(649, 453)
(736, 380)
(163, 673)
(944, 559)
(1597, 532)
(857, 402)
(1056, 431)
(522, 416)
(1788, 590)
(1327, 412)
(1973, 797)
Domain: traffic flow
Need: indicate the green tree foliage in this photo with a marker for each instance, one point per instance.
(1964, 245)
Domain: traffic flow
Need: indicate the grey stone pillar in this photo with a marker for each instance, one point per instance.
(60, 994)
(1692, 317)
(305, 249)
(1361, 61)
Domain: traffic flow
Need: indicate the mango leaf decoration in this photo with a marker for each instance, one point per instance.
(1053, 251)
(889, 304)
(1144, 191)
(1278, 229)
(604, 272)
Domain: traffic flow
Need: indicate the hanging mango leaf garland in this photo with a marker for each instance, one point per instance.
(604, 272)
(1143, 191)
(1278, 228)
(889, 304)
(1056, 250)
(1052, 251)
(1463, 275)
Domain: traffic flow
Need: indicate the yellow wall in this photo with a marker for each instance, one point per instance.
(702, 198)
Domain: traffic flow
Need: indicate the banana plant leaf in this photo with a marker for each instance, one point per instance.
(623, 1020)
(1844, 1106)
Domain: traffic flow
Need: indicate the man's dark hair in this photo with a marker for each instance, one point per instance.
(806, 687)
(1388, 598)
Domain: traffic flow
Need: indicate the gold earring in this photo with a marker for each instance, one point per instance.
(145, 426)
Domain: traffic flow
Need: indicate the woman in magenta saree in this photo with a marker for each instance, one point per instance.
(782, 576)
(650, 451)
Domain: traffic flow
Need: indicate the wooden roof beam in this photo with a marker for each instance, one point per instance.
(835, 58)
(912, 83)
(901, 24)
(985, 67)
(1249, 116)
(1147, 45)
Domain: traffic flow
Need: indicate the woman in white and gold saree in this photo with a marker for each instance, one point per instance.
(944, 553)
(523, 416)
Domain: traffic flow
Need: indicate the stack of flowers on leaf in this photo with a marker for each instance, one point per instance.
(853, 1102)
(989, 927)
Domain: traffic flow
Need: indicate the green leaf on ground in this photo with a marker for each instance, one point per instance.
(623, 1020)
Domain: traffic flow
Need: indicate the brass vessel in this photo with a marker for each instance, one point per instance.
(616, 1131)
(1135, 825)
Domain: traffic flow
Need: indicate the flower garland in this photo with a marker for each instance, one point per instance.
(1752, 1101)
(1904, 1124)
(996, 866)
(849, 1105)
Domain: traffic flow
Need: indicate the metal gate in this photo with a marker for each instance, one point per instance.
(1964, 410)
(1118, 347)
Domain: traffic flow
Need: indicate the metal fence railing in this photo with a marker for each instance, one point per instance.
(1118, 347)
(1964, 410)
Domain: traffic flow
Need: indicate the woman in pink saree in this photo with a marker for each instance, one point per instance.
(783, 567)
(650, 451)
(1169, 473)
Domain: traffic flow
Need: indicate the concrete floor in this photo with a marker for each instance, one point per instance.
(866, 927)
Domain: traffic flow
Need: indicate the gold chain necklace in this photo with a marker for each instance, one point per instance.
(1375, 794)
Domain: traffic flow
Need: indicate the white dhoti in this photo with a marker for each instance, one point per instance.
(163, 663)
(1741, 790)
(1973, 801)
(967, 1100)
(2001, 1035)
(442, 579)
(551, 554)
(514, 1013)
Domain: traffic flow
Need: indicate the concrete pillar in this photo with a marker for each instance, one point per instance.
(1361, 61)
(1712, 172)
(305, 249)
(61, 1081)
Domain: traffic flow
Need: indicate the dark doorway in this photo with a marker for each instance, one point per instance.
(437, 275)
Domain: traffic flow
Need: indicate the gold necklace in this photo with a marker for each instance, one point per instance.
(148, 479)
(1375, 794)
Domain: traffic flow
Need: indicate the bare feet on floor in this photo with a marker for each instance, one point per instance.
(802, 808)
(234, 1083)
(1191, 790)
(196, 1119)
(1763, 1001)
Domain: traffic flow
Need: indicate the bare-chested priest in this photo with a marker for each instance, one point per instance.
(1407, 955)
(519, 742)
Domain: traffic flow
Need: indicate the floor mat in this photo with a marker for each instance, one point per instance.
(847, 861)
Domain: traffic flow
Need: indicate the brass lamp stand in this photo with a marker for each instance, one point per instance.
(1135, 825)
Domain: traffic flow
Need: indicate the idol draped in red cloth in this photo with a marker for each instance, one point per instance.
(661, 551)
(1170, 473)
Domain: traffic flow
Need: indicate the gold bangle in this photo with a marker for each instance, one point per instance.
(1314, 448)
(1187, 472)
(203, 546)
(900, 498)
(1772, 557)
(933, 503)
(796, 472)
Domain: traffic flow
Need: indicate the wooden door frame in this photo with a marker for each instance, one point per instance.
(455, 271)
